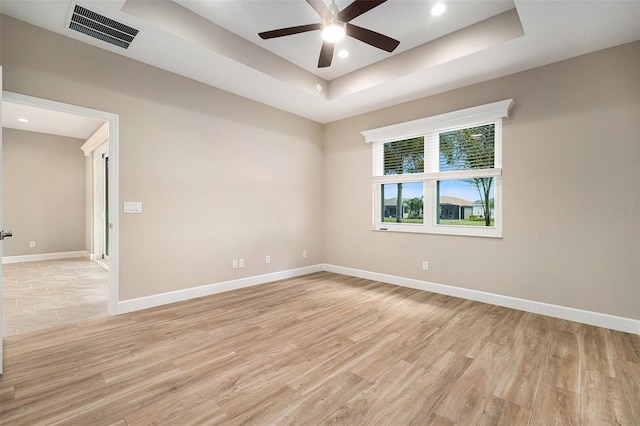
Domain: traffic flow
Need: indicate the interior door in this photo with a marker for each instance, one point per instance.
(3, 234)
(105, 226)
(1, 221)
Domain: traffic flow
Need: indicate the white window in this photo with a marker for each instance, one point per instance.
(440, 174)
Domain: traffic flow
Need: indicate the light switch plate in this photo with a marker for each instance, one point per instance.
(133, 207)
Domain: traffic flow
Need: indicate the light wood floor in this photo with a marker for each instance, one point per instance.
(323, 349)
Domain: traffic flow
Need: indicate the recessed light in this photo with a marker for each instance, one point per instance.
(23, 120)
(343, 53)
(438, 9)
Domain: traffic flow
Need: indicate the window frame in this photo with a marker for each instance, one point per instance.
(430, 128)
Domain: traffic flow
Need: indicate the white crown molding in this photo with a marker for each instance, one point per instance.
(99, 137)
(478, 114)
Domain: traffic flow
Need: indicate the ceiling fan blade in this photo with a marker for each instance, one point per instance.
(289, 31)
(357, 8)
(320, 8)
(326, 54)
(373, 38)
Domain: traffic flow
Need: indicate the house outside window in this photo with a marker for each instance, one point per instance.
(441, 174)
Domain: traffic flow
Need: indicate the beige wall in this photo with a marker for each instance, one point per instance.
(571, 157)
(220, 177)
(43, 184)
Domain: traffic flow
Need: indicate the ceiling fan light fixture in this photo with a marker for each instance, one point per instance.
(334, 25)
(333, 30)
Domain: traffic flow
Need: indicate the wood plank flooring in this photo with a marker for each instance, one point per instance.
(323, 349)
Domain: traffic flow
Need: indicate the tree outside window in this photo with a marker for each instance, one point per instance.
(468, 149)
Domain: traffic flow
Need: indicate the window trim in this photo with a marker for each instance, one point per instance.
(455, 119)
(430, 128)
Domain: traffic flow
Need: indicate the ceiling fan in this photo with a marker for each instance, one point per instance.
(335, 25)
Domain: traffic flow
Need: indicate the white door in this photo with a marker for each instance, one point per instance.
(0, 219)
(105, 207)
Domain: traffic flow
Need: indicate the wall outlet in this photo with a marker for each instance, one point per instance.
(267, 259)
(425, 265)
(241, 263)
(32, 244)
(234, 264)
(304, 253)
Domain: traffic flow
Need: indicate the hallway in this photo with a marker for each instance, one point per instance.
(38, 295)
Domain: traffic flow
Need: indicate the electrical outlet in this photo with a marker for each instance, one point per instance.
(32, 244)
(425, 265)
(241, 263)
(234, 264)
(304, 253)
(267, 259)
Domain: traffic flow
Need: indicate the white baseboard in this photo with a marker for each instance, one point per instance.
(572, 314)
(45, 256)
(132, 305)
(627, 325)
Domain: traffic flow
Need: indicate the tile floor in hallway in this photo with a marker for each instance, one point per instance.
(38, 295)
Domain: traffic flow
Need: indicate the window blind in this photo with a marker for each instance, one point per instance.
(468, 148)
(400, 157)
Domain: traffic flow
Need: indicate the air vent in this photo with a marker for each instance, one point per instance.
(99, 26)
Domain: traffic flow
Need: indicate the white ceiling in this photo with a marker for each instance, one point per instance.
(42, 120)
(417, 26)
(216, 42)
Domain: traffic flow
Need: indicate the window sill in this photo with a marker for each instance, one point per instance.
(443, 230)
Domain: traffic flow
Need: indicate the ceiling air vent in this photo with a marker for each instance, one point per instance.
(99, 26)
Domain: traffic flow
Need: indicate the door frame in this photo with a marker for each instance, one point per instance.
(1, 334)
(98, 237)
(113, 120)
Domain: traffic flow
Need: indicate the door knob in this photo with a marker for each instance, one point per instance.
(5, 234)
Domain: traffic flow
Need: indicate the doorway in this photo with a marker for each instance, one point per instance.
(108, 200)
